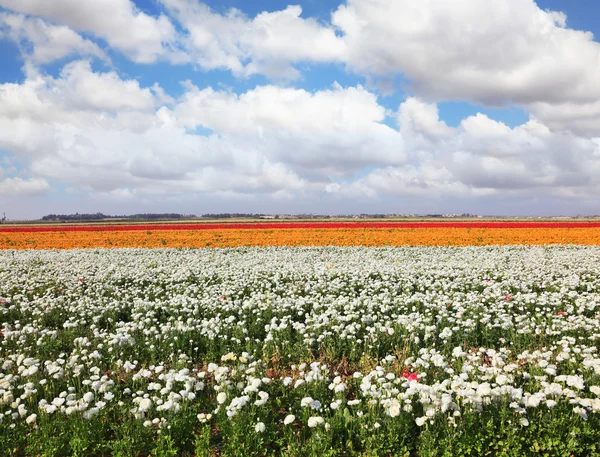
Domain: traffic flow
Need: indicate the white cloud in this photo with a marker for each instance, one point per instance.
(276, 144)
(507, 52)
(581, 118)
(420, 118)
(483, 157)
(268, 44)
(488, 52)
(99, 132)
(79, 86)
(17, 187)
(480, 50)
(327, 133)
(141, 37)
(48, 42)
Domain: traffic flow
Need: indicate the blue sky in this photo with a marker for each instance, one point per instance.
(323, 107)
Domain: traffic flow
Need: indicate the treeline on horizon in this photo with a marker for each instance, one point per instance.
(100, 216)
(77, 217)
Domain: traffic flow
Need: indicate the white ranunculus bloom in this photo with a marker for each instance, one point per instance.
(420, 421)
(314, 421)
(221, 398)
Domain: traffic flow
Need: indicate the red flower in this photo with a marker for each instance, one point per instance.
(560, 313)
(508, 297)
(405, 374)
(413, 377)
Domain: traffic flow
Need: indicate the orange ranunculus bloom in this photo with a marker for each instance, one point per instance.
(425, 236)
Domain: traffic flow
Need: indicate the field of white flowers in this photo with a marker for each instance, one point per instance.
(300, 352)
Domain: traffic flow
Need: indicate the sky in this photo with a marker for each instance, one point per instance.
(325, 107)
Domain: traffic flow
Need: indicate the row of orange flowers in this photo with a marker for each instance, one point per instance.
(447, 236)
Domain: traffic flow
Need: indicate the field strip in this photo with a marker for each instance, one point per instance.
(273, 351)
(219, 238)
(298, 225)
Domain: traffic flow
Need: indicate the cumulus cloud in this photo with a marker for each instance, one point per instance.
(141, 37)
(488, 52)
(581, 118)
(45, 42)
(283, 143)
(483, 157)
(331, 132)
(18, 187)
(79, 86)
(100, 132)
(269, 43)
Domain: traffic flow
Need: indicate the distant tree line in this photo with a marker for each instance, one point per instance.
(232, 215)
(100, 216)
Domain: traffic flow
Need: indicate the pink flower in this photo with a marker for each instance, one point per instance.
(508, 297)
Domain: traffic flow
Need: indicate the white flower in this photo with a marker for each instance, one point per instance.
(315, 421)
(202, 417)
(51, 408)
(144, 404)
(264, 396)
(595, 390)
(575, 381)
(289, 419)
(484, 389)
(260, 427)
(420, 421)
(339, 388)
(306, 401)
(31, 419)
(394, 408)
(501, 379)
(88, 397)
(221, 398)
(581, 412)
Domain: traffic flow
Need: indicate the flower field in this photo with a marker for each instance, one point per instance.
(299, 234)
(301, 351)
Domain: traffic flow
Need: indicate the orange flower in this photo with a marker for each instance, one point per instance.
(426, 236)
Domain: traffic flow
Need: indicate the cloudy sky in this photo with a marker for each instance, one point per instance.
(394, 106)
